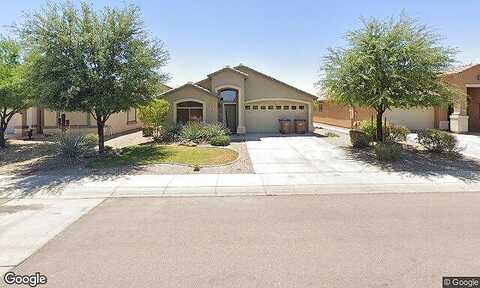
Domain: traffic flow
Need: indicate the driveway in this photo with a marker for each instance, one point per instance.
(470, 144)
(395, 240)
(299, 154)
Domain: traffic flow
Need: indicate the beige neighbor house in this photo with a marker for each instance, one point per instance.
(46, 122)
(243, 99)
(461, 117)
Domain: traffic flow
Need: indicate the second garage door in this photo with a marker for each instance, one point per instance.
(262, 117)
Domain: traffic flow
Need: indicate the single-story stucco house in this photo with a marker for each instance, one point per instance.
(46, 122)
(460, 117)
(243, 99)
(43, 121)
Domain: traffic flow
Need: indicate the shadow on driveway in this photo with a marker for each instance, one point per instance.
(421, 163)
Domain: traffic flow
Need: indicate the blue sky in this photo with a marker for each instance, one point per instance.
(285, 39)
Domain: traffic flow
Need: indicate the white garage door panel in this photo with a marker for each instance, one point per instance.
(266, 121)
(413, 119)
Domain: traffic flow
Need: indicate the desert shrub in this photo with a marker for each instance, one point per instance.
(359, 139)
(192, 131)
(437, 141)
(70, 147)
(387, 151)
(147, 131)
(394, 133)
(200, 132)
(168, 134)
(221, 140)
(370, 129)
(214, 130)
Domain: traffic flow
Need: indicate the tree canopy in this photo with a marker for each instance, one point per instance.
(14, 90)
(388, 64)
(98, 62)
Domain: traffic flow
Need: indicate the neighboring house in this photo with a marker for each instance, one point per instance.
(344, 116)
(463, 116)
(243, 99)
(46, 122)
(11, 126)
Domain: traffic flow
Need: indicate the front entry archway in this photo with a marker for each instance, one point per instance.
(229, 108)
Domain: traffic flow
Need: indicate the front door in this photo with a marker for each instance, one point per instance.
(473, 109)
(231, 117)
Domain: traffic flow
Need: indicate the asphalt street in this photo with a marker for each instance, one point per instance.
(370, 240)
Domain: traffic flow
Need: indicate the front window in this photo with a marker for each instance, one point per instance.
(189, 111)
(228, 96)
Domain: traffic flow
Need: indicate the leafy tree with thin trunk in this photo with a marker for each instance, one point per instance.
(99, 62)
(388, 64)
(14, 92)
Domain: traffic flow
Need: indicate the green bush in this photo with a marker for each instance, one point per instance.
(201, 133)
(387, 151)
(437, 141)
(192, 131)
(392, 133)
(395, 133)
(169, 134)
(214, 130)
(70, 147)
(359, 139)
(370, 129)
(147, 131)
(221, 140)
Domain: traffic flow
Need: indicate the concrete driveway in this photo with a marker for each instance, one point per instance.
(299, 154)
(470, 144)
(395, 240)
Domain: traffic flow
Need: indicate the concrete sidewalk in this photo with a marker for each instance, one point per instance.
(47, 187)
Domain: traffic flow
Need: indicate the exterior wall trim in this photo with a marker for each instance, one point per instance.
(472, 85)
(204, 108)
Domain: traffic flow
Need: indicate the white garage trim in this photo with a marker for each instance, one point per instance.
(309, 111)
(204, 108)
(472, 85)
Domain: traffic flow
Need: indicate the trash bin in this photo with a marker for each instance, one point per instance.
(284, 126)
(300, 126)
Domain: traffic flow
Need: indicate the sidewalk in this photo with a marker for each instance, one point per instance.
(48, 187)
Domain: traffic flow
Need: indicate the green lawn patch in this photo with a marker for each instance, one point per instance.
(156, 154)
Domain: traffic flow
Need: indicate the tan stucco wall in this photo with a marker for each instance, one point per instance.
(258, 86)
(188, 92)
(461, 80)
(338, 115)
(80, 122)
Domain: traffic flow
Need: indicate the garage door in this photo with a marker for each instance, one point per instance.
(413, 119)
(262, 117)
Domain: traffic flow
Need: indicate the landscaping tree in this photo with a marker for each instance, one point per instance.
(154, 115)
(97, 62)
(14, 96)
(388, 64)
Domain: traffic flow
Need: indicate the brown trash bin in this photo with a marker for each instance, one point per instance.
(300, 126)
(285, 126)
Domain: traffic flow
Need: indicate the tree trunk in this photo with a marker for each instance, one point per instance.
(379, 126)
(101, 137)
(2, 137)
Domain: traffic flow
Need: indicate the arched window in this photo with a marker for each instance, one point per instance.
(189, 111)
(228, 95)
